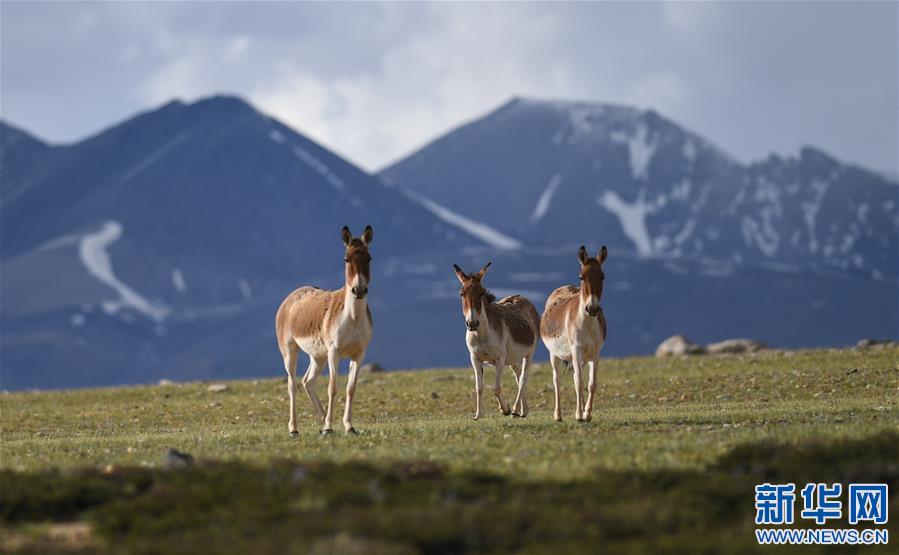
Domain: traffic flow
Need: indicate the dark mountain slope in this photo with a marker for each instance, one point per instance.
(20, 154)
(182, 218)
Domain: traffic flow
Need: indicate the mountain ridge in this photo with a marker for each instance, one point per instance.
(147, 243)
(162, 246)
(562, 104)
(669, 191)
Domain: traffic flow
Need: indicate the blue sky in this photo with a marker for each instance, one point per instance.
(374, 81)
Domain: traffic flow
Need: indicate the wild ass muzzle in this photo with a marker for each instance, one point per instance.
(573, 328)
(328, 326)
(498, 333)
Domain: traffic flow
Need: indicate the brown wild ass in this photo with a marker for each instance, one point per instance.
(499, 333)
(328, 326)
(574, 329)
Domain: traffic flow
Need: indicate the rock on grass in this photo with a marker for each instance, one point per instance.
(678, 345)
(176, 459)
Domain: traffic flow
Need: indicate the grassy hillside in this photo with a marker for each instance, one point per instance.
(669, 439)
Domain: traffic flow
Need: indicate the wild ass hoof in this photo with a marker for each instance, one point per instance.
(294, 434)
(516, 415)
(506, 411)
(326, 432)
(558, 418)
(580, 420)
(352, 432)
(476, 417)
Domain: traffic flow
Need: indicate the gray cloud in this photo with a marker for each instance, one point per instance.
(376, 80)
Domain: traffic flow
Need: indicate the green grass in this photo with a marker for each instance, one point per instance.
(649, 413)
(667, 464)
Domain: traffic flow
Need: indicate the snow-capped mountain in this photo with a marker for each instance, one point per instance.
(162, 247)
(554, 173)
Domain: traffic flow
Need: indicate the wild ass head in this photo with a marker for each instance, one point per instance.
(474, 296)
(591, 276)
(358, 261)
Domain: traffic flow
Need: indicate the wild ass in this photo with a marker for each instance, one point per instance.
(574, 329)
(328, 326)
(499, 333)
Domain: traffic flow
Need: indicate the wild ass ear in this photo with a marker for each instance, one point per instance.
(460, 274)
(603, 253)
(346, 235)
(582, 255)
(483, 271)
(367, 235)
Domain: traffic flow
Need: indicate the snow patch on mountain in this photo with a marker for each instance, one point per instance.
(664, 243)
(276, 136)
(95, 258)
(546, 198)
(716, 268)
(848, 242)
(178, 280)
(482, 231)
(681, 190)
(861, 212)
(585, 121)
(632, 217)
(685, 232)
(641, 152)
(640, 149)
(768, 192)
(318, 166)
(245, 289)
(810, 212)
(761, 234)
(155, 156)
(689, 151)
(58, 242)
(580, 116)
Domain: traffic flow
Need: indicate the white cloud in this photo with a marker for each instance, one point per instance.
(239, 45)
(469, 61)
(374, 81)
(691, 17)
(665, 92)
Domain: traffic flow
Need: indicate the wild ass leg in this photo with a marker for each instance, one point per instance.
(355, 363)
(333, 365)
(290, 364)
(498, 386)
(516, 370)
(577, 363)
(556, 362)
(521, 408)
(591, 391)
(478, 384)
(315, 365)
(520, 403)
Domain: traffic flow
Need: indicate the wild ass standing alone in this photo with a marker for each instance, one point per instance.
(328, 326)
(499, 333)
(574, 329)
